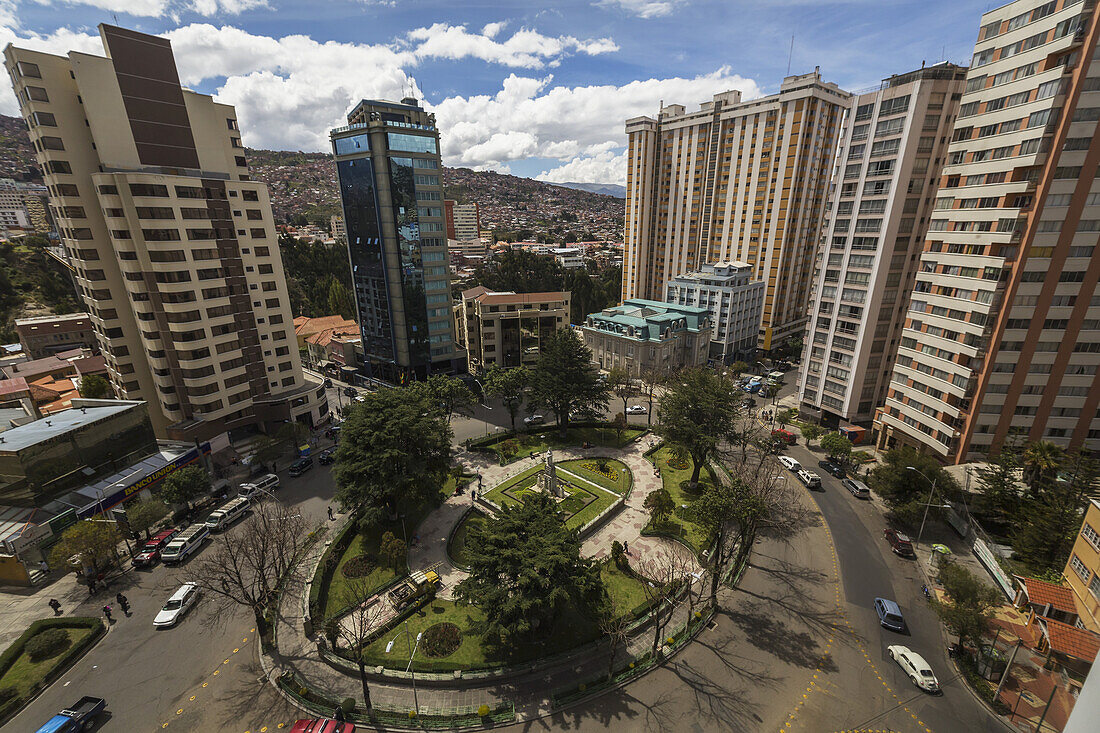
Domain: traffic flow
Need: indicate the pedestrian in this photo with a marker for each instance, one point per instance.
(91, 586)
(56, 606)
(626, 548)
(330, 517)
(123, 603)
(44, 567)
(107, 613)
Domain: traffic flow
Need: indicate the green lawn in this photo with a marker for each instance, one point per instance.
(457, 547)
(620, 479)
(24, 674)
(625, 591)
(540, 442)
(584, 503)
(680, 522)
(340, 595)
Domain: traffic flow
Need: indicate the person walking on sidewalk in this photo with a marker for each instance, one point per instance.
(107, 613)
(123, 603)
(56, 606)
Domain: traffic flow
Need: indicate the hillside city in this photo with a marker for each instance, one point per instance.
(801, 434)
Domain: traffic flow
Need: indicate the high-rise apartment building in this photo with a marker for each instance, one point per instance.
(387, 160)
(463, 221)
(736, 180)
(173, 245)
(507, 329)
(1003, 330)
(892, 150)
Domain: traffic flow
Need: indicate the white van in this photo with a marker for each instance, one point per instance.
(221, 518)
(185, 544)
(267, 482)
(776, 377)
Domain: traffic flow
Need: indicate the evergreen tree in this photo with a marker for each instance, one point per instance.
(698, 410)
(566, 382)
(509, 385)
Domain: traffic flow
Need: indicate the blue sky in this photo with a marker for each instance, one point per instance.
(516, 86)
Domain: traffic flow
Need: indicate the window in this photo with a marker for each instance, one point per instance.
(411, 143)
(1080, 568)
(889, 127)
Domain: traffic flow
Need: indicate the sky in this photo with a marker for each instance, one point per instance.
(535, 89)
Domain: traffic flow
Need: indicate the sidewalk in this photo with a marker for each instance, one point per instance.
(20, 607)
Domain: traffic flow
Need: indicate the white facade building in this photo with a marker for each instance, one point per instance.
(735, 301)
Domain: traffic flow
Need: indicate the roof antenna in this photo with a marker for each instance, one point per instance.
(790, 56)
(115, 16)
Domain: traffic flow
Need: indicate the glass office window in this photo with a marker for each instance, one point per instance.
(412, 143)
(353, 144)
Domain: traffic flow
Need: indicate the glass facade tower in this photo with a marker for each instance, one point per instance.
(388, 164)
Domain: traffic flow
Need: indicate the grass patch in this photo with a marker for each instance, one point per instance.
(570, 630)
(339, 593)
(456, 548)
(551, 438)
(624, 590)
(681, 524)
(581, 506)
(24, 675)
(616, 478)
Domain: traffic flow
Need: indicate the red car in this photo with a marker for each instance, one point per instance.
(784, 435)
(150, 553)
(322, 725)
(899, 543)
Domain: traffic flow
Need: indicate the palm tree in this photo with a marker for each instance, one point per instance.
(1041, 461)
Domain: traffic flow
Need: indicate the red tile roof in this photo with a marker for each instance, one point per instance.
(1072, 641)
(1042, 592)
(310, 326)
(12, 386)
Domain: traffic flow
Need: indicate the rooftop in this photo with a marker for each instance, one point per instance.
(60, 423)
(483, 295)
(644, 320)
(1042, 592)
(1072, 641)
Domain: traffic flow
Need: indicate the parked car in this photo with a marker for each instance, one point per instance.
(322, 725)
(915, 667)
(636, 410)
(753, 387)
(899, 543)
(810, 479)
(833, 468)
(264, 484)
(858, 488)
(327, 456)
(790, 464)
(786, 436)
(300, 466)
(533, 420)
(889, 614)
(77, 718)
(150, 551)
(327, 384)
(178, 604)
(350, 392)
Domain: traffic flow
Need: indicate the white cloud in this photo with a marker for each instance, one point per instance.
(643, 8)
(226, 7)
(532, 118)
(526, 48)
(605, 167)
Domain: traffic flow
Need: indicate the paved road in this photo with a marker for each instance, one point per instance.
(149, 677)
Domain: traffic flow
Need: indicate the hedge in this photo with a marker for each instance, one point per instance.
(324, 572)
(63, 662)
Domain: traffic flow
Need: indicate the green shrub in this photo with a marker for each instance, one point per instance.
(46, 644)
(442, 640)
(7, 694)
(359, 566)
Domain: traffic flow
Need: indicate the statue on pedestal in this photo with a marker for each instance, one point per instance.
(548, 477)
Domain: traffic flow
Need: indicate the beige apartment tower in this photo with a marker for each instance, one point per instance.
(892, 150)
(735, 181)
(507, 329)
(173, 244)
(1002, 336)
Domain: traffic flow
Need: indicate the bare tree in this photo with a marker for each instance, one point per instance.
(244, 567)
(661, 576)
(356, 629)
(650, 379)
(616, 628)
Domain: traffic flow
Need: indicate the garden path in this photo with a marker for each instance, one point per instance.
(430, 540)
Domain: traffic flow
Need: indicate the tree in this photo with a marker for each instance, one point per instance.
(906, 492)
(1041, 460)
(660, 505)
(509, 386)
(566, 381)
(144, 514)
(969, 604)
(394, 454)
(246, 568)
(520, 271)
(356, 628)
(811, 431)
(95, 542)
(616, 629)
(618, 379)
(525, 567)
(738, 368)
(618, 424)
(1051, 516)
(266, 451)
(698, 409)
(95, 387)
(651, 378)
(185, 485)
(448, 395)
(999, 487)
(393, 551)
(339, 299)
(665, 572)
(836, 446)
(784, 417)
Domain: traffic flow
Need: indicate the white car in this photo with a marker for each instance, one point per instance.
(533, 419)
(179, 604)
(790, 464)
(636, 410)
(914, 666)
(810, 479)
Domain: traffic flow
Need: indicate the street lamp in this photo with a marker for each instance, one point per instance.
(928, 504)
(412, 653)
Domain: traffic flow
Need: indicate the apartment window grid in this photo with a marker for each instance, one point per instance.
(1091, 535)
(1080, 568)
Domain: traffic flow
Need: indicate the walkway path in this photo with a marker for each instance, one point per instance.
(625, 526)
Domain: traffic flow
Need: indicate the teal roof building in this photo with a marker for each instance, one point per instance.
(642, 334)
